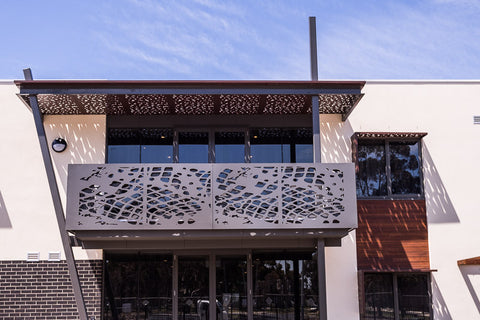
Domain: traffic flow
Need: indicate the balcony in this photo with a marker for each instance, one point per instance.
(211, 196)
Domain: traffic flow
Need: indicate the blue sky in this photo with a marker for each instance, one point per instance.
(249, 39)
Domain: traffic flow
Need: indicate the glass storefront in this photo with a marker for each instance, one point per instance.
(141, 286)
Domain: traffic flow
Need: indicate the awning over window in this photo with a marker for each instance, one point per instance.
(470, 261)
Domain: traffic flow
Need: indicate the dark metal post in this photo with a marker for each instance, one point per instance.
(322, 283)
(317, 147)
(249, 286)
(317, 151)
(57, 203)
(313, 49)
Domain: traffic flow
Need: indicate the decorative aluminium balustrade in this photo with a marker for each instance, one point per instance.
(210, 196)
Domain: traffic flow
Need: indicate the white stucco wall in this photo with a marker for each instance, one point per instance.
(27, 219)
(451, 153)
(27, 223)
(341, 262)
(85, 136)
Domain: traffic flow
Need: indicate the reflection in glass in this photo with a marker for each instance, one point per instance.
(229, 147)
(123, 154)
(193, 147)
(405, 167)
(379, 296)
(277, 145)
(304, 153)
(140, 146)
(231, 277)
(138, 287)
(193, 297)
(413, 296)
(372, 175)
(157, 146)
(285, 288)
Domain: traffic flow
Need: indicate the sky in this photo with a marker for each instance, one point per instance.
(239, 40)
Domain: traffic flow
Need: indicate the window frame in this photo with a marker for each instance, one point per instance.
(395, 291)
(386, 139)
(211, 139)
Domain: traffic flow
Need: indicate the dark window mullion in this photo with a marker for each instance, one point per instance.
(175, 146)
(420, 167)
(211, 146)
(395, 297)
(388, 168)
(293, 156)
(247, 146)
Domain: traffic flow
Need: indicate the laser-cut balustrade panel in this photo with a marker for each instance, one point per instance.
(284, 196)
(211, 196)
(135, 196)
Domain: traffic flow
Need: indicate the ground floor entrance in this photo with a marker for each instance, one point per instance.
(247, 285)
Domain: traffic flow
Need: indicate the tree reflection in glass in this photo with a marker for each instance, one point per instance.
(404, 167)
(371, 176)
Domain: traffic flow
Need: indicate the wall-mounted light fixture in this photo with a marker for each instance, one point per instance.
(59, 145)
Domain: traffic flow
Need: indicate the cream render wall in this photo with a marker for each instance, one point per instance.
(27, 219)
(85, 136)
(451, 160)
(341, 262)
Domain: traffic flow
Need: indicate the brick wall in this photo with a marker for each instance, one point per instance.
(392, 235)
(42, 290)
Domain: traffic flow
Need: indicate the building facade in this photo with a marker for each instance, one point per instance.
(239, 200)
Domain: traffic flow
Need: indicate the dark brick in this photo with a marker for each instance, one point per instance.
(42, 290)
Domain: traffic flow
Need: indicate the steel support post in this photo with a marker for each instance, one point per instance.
(212, 270)
(317, 151)
(317, 147)
(57, 203)
(313, 49)
(175, 287)
(249, 286)
(322, 283)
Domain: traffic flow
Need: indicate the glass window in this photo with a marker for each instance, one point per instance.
(275, 145)
(396, 296)
(379, 297)
(137, 286)
(123, 146)
(140, 146)
(231, 275)
(405, 167)
(413, 299)
(372, 173)
(388, 168)
(193, 147)
(157, 146)
(285, 287)
(229, 147)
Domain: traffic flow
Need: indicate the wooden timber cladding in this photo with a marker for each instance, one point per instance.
(392, 235)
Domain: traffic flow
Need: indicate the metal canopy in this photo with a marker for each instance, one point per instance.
(192, 97)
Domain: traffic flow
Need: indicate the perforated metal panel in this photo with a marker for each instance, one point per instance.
(210, 196)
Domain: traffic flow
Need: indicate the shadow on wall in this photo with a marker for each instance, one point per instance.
(392, 235)
(471, 276)
(439, 206)
(4, 218)
(336, 143)
(440, 309)
(85, 138)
